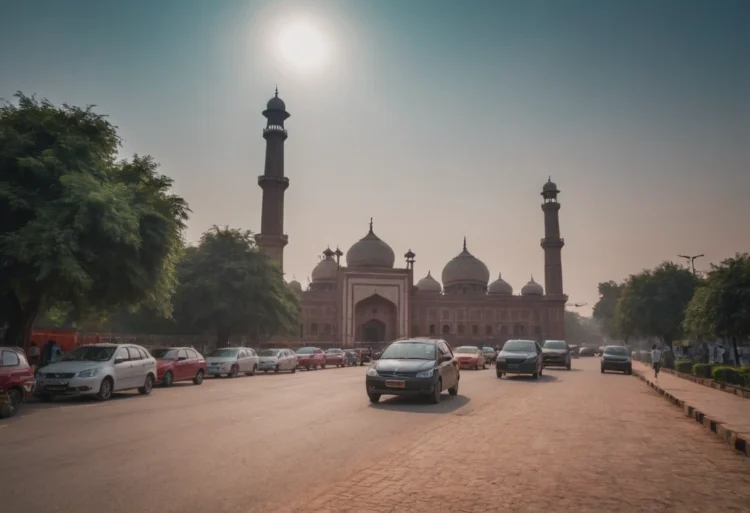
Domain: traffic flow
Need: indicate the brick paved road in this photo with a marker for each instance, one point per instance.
(573, 441)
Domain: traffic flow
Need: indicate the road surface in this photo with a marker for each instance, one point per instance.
(571, 441)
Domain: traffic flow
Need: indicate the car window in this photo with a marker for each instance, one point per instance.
(9, 359)
(251, 352)
(144, 354)
(242, 353)
(193, 354)
(182, 354)
(134, 354)
(122, 353)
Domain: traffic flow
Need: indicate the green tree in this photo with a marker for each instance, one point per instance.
(721, 305)
(604, 309)
(227, 286)
(653, 302)
(579, 331)
(78, 227)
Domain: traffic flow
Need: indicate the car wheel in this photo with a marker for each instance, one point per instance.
(602, 370)
(234, 372)
(276, 369)
(323, 366)
(499, 375)
(453, 390)
(105, 389)
(535, 375)
(568, 366)
(168, 379)
(630, 372)
(374, 398)
(12, 403)
(148, 385)
(294, 369)
(435, 395)
(255, 368)
(198, 379)
(484, 365)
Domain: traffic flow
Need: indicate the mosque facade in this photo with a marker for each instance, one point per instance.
(367, 298)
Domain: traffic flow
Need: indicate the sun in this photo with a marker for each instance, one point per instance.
(302, 45)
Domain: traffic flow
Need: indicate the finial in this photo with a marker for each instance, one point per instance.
(371, 225)
(428, 273)
(532, 278)
(549, 178)
(276, 93)
(464, 242)
(499, 276)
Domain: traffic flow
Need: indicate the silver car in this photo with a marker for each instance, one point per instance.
(232, 361)
(277, 360)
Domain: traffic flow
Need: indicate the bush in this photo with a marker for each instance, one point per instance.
(702, 370)
(728, 375)
(685, 366)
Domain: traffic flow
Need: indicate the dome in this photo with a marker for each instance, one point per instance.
(429, 284)
(500, 286)
(532, 289)
(550, 186)
(370, 251)
(276, 103)
(465, 268)
(295, 286)
(326, 270)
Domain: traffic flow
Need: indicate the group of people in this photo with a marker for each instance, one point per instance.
(50, 353)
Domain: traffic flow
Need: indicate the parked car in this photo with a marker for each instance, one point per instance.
(586, 351)
(365, 355)
(422, 367)
(520, 357)
(277, 360)
(311, 358)
(489, 355)
(16, 380)
(556, 353)
(231, 361)
(470, 357)
(98, 370)
(178, 364)
(573, 350)
(616, 358)
(335, 357)
(352, 357)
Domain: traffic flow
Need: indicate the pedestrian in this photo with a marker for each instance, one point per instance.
(48, 352)
(33, 354)
(655, 360)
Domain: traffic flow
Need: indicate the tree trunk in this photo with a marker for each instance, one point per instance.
(222, 337)
(21, 322)
(736, 352)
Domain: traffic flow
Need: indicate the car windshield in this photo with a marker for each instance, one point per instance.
(616, 350)
(521, 346)
(268, 352)
(224, 353)
(90, 353)
(334, 351)
(555, 344)
(306, 350)
(488, 350)
(164, 354)
(409, 351)
(466, 349)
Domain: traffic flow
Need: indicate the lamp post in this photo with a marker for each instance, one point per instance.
(691, 259)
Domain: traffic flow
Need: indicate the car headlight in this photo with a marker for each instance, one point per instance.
(426, 374)
(531, 359)
(372, 372)
(500, 359)
(88, 373)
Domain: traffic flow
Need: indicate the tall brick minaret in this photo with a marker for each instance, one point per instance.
(552, 243)
(271, 238)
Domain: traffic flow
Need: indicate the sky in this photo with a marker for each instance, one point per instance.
(439, 119)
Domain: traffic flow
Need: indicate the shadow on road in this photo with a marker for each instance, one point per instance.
(447, 404)
(546, 378)
(562, 369)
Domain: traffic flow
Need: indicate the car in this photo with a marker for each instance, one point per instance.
(574, 350)
(365, 355)
(335, 357)
(231, 361)
(520, 357)
(352, 357)
(470, 357)
(98, 370)
(556, 353)
(277, 360)
(489, 355)
(178, 364)
(311, 358)
(16, 380)
(616, 358)
(586, 351)
(413, 367)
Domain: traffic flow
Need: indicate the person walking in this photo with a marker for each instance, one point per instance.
(655, 360)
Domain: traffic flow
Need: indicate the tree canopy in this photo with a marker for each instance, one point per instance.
(604, 309)
(77, 225)
(580, 330)
(228, 286)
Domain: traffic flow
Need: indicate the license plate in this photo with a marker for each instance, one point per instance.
(395, 384)
(512, 365)
(55, 383)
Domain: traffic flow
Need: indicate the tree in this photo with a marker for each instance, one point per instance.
(653, 302)
(604, 309)
(228, 286)
(77, 226)
(721, 305)
(578, 330)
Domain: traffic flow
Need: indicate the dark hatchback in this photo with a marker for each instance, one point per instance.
(413, 367)
(616, 358)
(520, 357)
(556, 353)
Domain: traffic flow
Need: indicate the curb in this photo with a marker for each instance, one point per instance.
(739, 442)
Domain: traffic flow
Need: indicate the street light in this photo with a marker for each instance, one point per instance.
(691, 259)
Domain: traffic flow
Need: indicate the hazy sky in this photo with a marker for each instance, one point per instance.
(439, 119)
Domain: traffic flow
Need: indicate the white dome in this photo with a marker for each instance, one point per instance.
(370, 251)
(500, 286)
(532, 289)
(429, 284)
(465, 268)
(326, 270)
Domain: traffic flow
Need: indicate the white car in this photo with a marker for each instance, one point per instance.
(277, 360)
(98, 370)
(232, 361)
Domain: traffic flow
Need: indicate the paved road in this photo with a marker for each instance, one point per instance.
(572, 441)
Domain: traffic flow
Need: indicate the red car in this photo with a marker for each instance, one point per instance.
(178, 364)
(16, 380)
(470, 357)
(336, 357)
(311, 358)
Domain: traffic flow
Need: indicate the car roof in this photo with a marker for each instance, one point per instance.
(416, 341)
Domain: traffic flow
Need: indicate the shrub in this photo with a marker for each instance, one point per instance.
(728, 375)
(702, 370)
(685, 366)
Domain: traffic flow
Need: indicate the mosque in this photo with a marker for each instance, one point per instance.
(368, 299)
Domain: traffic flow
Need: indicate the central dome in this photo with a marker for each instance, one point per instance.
(465, 269)
(370, 251)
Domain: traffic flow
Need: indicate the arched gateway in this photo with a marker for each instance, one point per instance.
(375, 319)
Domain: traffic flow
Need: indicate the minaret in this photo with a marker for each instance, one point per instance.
(552, 243)
(271, 238)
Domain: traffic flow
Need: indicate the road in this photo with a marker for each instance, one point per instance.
(571, 441)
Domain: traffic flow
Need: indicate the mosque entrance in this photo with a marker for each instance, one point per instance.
(373, 331)
(375, 319)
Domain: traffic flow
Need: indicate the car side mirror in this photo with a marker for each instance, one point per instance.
(446, 358)
(120, 360)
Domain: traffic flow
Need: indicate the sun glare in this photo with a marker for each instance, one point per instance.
(302, 45)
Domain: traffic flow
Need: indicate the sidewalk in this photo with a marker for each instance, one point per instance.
(724, 414)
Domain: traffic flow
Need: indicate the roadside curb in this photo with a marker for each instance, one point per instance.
(737, 441)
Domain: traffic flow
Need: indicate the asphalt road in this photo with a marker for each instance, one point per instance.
(272, 442)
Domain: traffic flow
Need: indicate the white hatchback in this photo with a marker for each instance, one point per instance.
(98, 370)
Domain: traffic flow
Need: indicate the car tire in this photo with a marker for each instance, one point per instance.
(602, 370)
(276, 370)
(255, 369)
(374, 398)
(535, 375)
(234, 372)
(168, 380)
(453, 390)
(294, 369)
(105, 389)
(13, 404)
(499, 374)
(568, 366)
(437, 392)
(148, 385)
(323, 366)
(198, 379)
(484, 365)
